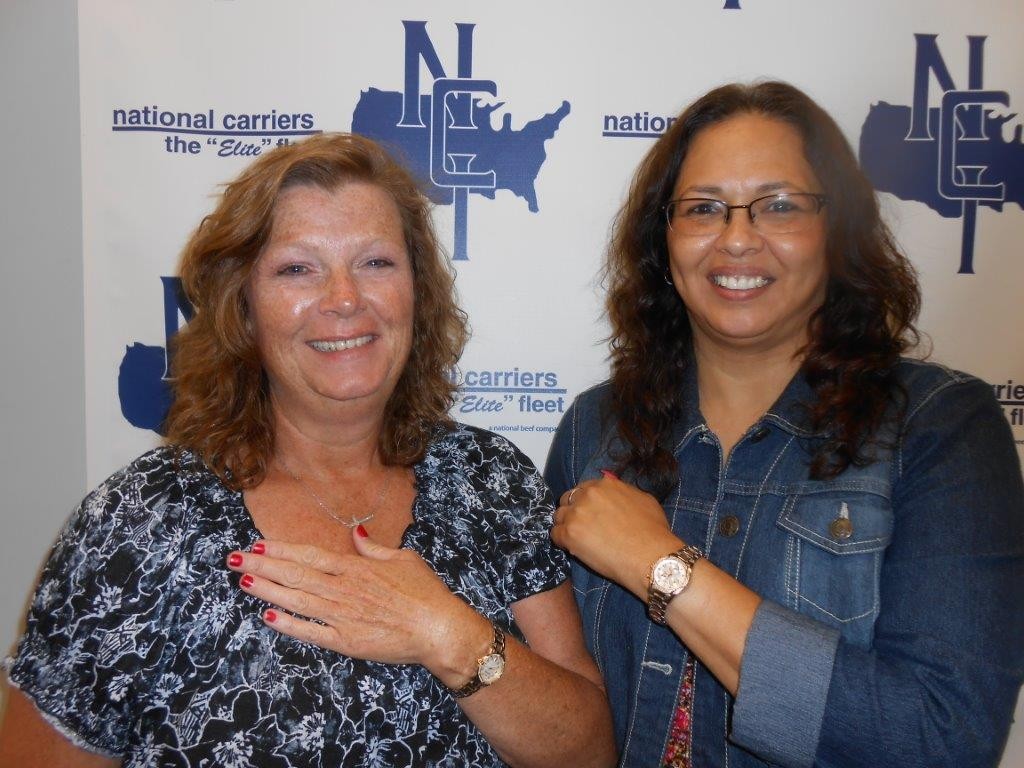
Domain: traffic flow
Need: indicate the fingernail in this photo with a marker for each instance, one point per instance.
(270, 616)
(609, 473)
(259, 548)
(246, 581)
(361, 532)
(234, 560)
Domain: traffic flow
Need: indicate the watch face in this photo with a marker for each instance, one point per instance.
(491, 668)
(670, 575)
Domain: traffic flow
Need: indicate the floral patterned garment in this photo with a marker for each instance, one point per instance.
(680, 736)
(141, 645)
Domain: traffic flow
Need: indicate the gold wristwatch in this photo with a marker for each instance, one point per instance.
(489, 667)
(669, 576)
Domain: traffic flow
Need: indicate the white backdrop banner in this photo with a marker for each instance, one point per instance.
(527, 126)
(527, 123)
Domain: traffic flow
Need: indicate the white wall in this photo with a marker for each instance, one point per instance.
(42, 402)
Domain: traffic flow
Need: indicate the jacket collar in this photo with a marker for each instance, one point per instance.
(789, 412)
(691, 420)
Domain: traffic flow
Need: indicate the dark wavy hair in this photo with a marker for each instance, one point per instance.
(221, 408)
(856, 336)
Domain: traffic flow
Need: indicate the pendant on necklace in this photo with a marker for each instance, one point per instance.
(353, 521)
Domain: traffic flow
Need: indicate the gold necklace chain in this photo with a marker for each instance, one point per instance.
(352, 522)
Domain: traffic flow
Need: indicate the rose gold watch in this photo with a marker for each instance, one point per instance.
(668, 577)
(489, 667)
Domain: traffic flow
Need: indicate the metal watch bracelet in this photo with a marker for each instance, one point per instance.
(657, 600)
(497, 649)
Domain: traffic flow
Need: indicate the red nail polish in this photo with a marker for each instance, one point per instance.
(235, 560)
(270, 616)
(609, 473)
(259, 548)
(246, 581)
(361, 532)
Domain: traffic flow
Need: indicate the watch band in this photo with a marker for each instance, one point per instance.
(657, 600)
(476, 682)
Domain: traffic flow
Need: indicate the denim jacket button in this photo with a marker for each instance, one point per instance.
(729, 525)
(841, 528)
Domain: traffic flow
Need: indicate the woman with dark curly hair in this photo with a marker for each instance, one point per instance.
(320, 568)
(794, 546)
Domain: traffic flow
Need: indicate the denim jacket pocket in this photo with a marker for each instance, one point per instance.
(833, 558)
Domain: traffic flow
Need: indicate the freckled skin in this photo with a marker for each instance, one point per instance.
(335, 268)
(738, 160)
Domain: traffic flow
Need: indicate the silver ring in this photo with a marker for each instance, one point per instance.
(568, 501)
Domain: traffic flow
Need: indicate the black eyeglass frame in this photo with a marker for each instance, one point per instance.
(822, 201)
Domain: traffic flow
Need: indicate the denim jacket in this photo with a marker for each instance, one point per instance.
(891, 631)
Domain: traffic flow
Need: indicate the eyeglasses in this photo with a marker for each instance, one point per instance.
(780, 214)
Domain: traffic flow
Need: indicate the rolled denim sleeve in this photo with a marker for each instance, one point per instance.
(785, 675)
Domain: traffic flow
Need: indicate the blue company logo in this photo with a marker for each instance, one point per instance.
(445, 135)
(953, 157)
(142, 384)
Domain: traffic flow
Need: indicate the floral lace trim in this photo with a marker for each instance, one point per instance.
(677, 751)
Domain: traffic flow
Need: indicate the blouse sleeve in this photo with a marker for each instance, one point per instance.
(88, 648)
(523, 516)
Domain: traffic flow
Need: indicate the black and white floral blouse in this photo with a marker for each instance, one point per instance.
(141, 645)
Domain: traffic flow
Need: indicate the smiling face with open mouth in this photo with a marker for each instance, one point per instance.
(743, 288)
(331, 298)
